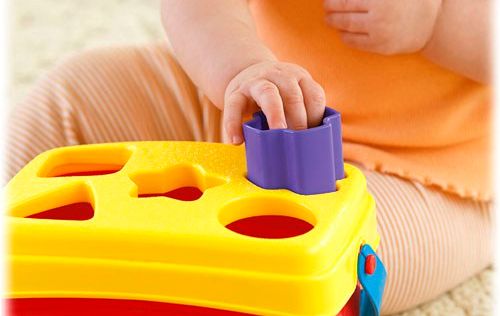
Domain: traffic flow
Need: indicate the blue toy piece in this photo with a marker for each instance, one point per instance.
(371, 276)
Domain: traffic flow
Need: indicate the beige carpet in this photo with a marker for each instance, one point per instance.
(42, 31)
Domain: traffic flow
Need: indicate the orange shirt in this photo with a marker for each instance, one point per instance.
(401, 114)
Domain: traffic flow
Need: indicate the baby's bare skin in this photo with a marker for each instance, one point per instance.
(384, 26)
(454, 34)
(285, 92)
(216, 43)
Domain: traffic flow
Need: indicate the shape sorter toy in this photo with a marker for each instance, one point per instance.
(185, 228)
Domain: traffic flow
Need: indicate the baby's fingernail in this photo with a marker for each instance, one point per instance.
(236, 140)
(282, 125)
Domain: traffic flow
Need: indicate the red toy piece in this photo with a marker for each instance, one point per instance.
(370, 264)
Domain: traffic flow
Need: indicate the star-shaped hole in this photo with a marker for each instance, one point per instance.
(181, 182)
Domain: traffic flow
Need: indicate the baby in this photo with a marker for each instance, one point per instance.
(410, 78)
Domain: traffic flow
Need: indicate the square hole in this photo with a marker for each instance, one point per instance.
(92, 160)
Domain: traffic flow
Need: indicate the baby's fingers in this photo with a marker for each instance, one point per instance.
(315, 101)
(267, 96)
(359, 41)
(233, 113)
(349, 22)
(293, 102)
(346, 5)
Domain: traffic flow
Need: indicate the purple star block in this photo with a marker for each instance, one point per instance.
(306, 161)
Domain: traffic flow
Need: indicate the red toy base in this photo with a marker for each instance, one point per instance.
(111, 307)
(105, 307)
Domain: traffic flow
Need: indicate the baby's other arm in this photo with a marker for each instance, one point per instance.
(454, 34)
(461, 39)
(216, 43)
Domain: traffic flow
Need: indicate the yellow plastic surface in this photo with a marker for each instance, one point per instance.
(163, 249)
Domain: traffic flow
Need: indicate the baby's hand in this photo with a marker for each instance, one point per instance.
(285, 92)
(384, 26)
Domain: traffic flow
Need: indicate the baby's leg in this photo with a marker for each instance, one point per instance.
(110, 95)
(430, 241)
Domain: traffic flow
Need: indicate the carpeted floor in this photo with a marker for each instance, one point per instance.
(42, 31)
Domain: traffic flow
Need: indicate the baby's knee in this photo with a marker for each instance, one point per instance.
(82, 66)
(432, 248)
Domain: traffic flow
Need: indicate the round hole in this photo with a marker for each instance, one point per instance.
(270, 226)
(267, 217)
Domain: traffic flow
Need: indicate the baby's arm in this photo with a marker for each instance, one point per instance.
(451, 33)
(461, 38)
(216, 43)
